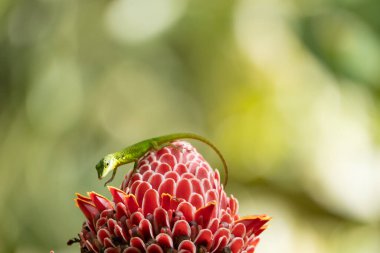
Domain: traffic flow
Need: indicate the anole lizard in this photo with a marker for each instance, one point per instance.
(133, 153)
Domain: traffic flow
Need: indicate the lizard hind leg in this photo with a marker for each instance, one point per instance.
(157, 147)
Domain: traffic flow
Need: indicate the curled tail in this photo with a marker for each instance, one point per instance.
(207, 142)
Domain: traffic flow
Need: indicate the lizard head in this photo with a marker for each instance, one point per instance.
(106, 165)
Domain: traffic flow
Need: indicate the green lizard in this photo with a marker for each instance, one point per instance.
(133, 153)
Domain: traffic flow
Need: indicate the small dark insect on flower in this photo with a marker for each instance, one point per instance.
(72, 241)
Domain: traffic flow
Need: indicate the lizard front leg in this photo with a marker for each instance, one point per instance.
(114, 173)
(112, 177)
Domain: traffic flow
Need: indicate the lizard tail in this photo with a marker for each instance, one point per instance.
(207, 142)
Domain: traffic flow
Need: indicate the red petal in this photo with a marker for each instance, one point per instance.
(233, 205)
(152, 156)
(177, 152)
(100, 202)
(250, 249)
(131, 203)
(205, 214)
(125, 184)
(221, 237)
(260, 230)
(112, 250)
(194, 230)
(90, 247)
(147, 175)
(154, 165)
(206, 185)
(146, 229)
(150, 201)
(187, 210)
(108, 243)
(197, 187)
(91, 226)
(82, 197)
(144, 168)
(184, 251)
(138, 243)
(174, 202)
(134, 186)
(196, 200)
(156, 180)
(222, 242)
(132, 250)
(168, 186)
(121, 210)
(164, 240)
(236, 244)
(190, 156)
(102, 235)
(119, 232)
(154, 248)
(165, 201)
(160, 219)
(107, 213)
(134, 177)
(213, 225)
(223, 200)
(205, 165)
(193, 166)
(202, 173)
(255, 241)
(163, 168)
(173, 175)
(111, 224)
(181, 228)
(226, 218)
(136, 218)
(254, 223)
(184, 189)
(187, 175)
(204, 238)
(88, 209)
(211, 195)
(117, 194)
(140, 191)
(180, 169)
(238, 230)
(187, 245)
(169, 159)
(162, 152)
(100, 222)
(217, 177)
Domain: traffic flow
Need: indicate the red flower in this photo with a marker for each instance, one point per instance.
(174, 202)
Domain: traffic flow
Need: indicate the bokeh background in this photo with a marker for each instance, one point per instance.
(288, 90)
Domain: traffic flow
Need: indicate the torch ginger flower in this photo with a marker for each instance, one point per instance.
(174, 202)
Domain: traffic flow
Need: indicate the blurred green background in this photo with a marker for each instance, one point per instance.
(288, 90)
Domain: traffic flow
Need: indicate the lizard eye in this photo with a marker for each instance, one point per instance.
(107, 163)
